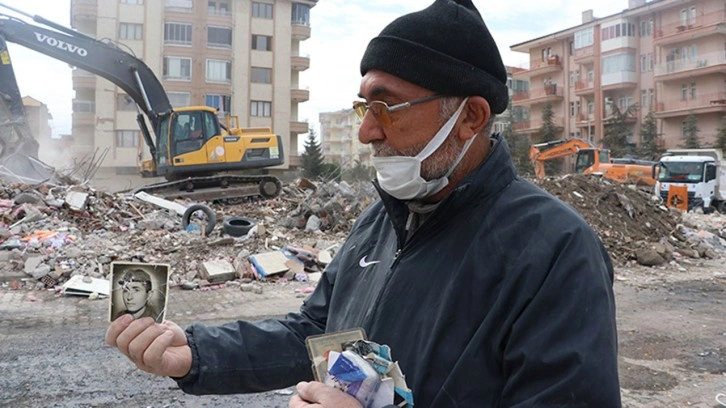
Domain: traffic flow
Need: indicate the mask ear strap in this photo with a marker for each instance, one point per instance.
(442, 134)
(461, 155)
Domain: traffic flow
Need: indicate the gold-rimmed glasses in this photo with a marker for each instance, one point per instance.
(382, 112)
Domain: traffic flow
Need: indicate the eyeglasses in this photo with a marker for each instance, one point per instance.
(382, 112)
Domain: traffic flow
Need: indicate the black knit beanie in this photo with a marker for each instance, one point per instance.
(446, 48)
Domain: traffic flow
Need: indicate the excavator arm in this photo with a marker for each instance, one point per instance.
(541, 152)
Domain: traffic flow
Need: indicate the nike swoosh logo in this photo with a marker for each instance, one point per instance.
(363, 263)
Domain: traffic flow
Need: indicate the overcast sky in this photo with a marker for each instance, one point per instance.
(341, 30)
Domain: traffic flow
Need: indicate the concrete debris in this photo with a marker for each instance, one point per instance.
(50, 234)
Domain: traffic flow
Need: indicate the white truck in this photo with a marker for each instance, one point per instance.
(701, 171)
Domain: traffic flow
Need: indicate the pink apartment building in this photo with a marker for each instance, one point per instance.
(666, 56)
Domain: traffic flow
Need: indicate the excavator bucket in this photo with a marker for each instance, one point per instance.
(18, 148)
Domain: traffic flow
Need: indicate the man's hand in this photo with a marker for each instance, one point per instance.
(318, 395)
(160, 349)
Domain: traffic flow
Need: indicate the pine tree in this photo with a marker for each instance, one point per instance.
(690, 133)
(548, 131)
(312, 157)
(721, 135)
(617, 131)
(650, 148)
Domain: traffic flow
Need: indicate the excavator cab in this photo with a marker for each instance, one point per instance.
(590, 159)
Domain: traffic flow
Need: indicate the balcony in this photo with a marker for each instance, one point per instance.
(83, 79)
(584, 88)
(298, 127)
(300, 62)
(298, 94)
(585, 120)
(533, 125)
(701, 26)
(709, 103)
(300, 30)
(549, 93)
(619, 80)
(83, 118)
(584, 54)
(711, 63)
(551, 64)
(84, 9)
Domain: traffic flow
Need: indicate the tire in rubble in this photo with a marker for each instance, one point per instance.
(208, 212)
(238, 226)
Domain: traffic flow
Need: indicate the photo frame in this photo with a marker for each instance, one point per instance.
(140, 289)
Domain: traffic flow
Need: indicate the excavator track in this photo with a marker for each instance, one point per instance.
(220, 187)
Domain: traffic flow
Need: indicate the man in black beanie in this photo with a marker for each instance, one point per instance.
(488, 291)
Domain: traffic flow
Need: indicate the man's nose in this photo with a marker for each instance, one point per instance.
(370, 129)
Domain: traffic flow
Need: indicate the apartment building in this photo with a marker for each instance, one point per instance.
(515, 114)
(664, 56)
(339, 139)
(241, 56)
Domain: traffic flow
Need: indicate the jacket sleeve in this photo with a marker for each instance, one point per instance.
(562, 347)
(243, 357)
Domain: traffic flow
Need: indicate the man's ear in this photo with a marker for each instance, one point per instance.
(475, 117)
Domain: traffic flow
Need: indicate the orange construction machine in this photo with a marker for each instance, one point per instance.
(592, 160)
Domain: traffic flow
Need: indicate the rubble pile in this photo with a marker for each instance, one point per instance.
(634, 224)
(54, 232)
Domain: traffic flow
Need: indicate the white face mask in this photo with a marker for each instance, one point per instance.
(400, 176)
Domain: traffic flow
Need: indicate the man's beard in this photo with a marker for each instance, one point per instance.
(433, 167)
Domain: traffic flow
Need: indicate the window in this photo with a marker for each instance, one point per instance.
(584, 38)
(262, 42)
(651, 99)
(572, 48)
(572, 109)
(572, 78)
(693, 90)
(125, 103)
(218, 8)
(127, 138)
(643, 28)
(498, 127)
(613, 64)
(177, 68)
(692, 15)
(651, 61)
(221, 102)
(261, 75)
(219, 71)
(684, 92)
(684, 17)
(261, 10)
(618, 30)
(179, 98)
(643, 62)
(300, 14)
(130, 31)
(650, 26)
(219, 37)
(260, 108)
(80, 106)
(643, 98)
(177, 33)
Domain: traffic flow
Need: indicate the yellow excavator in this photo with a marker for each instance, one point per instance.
(592, 160)
(189, 146)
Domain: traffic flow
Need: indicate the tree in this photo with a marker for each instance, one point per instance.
(721, 135)
(519, 146)
(649, 148)
(690, 133)
(617, 131)
(548, 131)
(312, 157)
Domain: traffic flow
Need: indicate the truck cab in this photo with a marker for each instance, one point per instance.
(700, 171)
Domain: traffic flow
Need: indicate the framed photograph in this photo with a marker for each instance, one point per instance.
(138, 289)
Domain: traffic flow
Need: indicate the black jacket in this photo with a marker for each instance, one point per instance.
(502, 298)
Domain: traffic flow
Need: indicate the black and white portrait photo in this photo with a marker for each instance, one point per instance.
(138, 289)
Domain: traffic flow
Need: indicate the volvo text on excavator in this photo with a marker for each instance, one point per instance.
(189, 146)
(591, 160)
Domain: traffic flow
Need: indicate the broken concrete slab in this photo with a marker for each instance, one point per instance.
(269, 263)
(76, 200)
(218, 271)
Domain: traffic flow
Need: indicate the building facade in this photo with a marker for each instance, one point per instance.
(663, 56)
(339, 139)
(240, 56)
